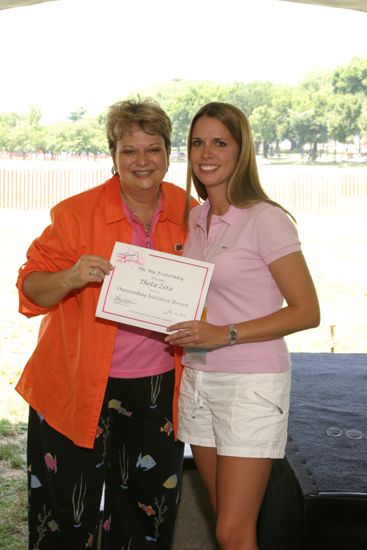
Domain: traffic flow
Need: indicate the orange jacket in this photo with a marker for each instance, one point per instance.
(66, 376)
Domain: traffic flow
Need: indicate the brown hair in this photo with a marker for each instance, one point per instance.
(144, 113)
(244, 188)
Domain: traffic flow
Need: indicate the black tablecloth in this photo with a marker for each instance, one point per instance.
(329, 391)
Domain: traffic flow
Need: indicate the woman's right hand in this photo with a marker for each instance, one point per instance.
(88, 269)
(46, 289)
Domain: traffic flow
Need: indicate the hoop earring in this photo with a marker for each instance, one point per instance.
(114, 170)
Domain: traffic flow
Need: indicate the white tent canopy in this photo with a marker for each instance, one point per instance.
(360, 5)
(6, 4)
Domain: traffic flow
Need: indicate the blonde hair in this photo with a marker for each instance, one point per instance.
(144, 113)
(244, 188)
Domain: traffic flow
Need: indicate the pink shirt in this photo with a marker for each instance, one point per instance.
(139, 352)
(241, 244)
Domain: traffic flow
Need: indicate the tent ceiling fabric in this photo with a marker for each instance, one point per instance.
(6, 4)
(360, 5)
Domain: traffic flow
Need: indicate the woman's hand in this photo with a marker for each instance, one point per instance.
(197, 334)
(88, 269)
(46, 289)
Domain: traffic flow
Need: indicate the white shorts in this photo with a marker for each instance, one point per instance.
(244, 415)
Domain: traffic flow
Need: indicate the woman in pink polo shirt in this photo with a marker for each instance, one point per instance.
(235, 389)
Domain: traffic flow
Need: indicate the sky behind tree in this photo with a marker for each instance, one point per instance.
(69, 54)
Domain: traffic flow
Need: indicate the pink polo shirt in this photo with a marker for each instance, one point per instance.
(139, 352)
(241, 244)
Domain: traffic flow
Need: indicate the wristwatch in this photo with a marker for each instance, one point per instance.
(232, 335)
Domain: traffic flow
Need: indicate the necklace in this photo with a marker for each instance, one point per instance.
(146, 226)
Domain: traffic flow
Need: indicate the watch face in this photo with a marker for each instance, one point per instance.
(232, 334)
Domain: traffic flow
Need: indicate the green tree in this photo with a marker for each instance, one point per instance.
(343, 117)
(264, 126)
(351, 79)
(86, 136)
(283, 99)
(249, 97)
(181, 100)
(22, 132)
(362, 122)
(308, 119)
(326, 105)
(9, 123)
(57, 138)
(34, 130)
(79, 114)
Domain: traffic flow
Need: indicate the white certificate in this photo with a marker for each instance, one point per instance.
(152, 289)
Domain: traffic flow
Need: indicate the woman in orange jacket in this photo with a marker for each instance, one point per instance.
(100, 393)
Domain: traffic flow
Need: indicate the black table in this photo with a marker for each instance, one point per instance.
(317, 495)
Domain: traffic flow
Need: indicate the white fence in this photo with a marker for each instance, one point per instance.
(317, 189)
(40, 185)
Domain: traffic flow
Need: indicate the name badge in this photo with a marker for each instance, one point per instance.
(194, 355)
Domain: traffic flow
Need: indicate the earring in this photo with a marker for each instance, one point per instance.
(114, 170)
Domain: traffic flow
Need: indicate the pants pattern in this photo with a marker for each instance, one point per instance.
(134, 457)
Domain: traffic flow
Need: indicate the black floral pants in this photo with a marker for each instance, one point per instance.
(135, 459)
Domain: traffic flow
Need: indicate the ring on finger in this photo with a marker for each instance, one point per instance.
(93, 272)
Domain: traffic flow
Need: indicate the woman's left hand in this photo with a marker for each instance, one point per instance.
(197, 334)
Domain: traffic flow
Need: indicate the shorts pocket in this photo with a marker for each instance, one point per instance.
(270, 401)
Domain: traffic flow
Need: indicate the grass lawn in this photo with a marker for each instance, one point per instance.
(335, 247)
(13, 501)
